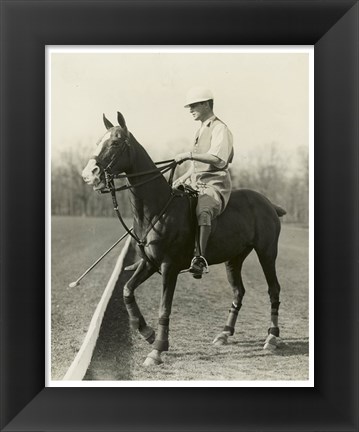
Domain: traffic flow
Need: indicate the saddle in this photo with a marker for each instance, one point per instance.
(192, 196)
(192, 193)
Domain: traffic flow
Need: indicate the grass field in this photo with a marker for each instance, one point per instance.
(199, 312)
(76, 243)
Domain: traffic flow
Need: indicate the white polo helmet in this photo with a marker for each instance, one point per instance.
(198, 94)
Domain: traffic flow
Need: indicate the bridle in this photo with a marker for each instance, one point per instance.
(109, 177)
(169, 165)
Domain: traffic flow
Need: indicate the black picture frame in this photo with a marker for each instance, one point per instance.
(26, 28)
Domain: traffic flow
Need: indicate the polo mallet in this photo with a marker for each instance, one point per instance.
(77, 281)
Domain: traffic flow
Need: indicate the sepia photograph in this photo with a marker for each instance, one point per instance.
(180, 208)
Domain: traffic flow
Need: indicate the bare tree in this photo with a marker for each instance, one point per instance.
(69, 193)
(268, 172)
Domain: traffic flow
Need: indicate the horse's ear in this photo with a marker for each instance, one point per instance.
(121, 120)
(108, 124)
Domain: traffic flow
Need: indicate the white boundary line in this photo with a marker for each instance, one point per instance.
(82, 360)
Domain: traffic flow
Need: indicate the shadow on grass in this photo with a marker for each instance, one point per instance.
(112, 355)
(174, 354)
(291, 347)
(246, 349)
(294, 347)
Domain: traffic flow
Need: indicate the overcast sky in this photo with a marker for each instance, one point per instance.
(263, 97)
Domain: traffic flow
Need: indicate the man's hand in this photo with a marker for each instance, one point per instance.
(181, 157)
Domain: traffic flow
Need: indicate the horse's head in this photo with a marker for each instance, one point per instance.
(111, 155)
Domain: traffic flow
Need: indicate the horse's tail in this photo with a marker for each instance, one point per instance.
(279, 210)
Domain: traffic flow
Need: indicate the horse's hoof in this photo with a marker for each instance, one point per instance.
(221, 339)
(271, 343)
(153, 359)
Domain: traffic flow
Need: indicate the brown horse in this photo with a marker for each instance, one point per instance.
(164, 223)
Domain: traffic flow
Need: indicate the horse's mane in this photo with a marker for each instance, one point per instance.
(141, 159)
(139, 151)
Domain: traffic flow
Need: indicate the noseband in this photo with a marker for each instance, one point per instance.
(113, 159)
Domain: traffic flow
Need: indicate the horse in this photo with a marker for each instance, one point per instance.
(165, 230)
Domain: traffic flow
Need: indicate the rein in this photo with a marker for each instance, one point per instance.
(110, 188)
(171, 165)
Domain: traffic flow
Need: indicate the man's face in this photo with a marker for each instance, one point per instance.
(199, 110)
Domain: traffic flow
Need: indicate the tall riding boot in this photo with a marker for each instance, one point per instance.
(199, 263)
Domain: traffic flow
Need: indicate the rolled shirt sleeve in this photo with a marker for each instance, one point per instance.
(221, 144)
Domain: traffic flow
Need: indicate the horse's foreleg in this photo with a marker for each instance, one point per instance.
(233, 268)
(137, 321)
(161, 343)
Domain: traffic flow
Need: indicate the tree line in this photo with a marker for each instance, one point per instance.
(266, 172)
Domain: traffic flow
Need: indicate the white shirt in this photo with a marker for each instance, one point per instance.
(221, 142)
